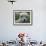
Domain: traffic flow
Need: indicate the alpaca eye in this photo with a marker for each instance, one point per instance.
(26, 17)
(21, 16)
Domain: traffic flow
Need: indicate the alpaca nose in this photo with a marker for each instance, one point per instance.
(24, 20)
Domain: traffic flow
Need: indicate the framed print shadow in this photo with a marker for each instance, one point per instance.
(22, 17)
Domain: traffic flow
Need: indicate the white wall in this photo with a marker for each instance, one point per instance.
(38, 30)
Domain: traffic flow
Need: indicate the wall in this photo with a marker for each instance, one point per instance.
(37, 31)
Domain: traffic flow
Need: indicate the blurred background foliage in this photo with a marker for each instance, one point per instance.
(17, 16)
(28, 17)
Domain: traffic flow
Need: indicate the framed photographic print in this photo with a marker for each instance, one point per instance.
(22, 17)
